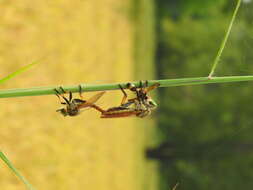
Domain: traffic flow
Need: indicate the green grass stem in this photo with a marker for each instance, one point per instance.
(38, 91)
(10, 165)
(217, 58)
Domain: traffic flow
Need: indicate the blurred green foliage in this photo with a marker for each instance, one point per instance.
(89, 41)
(206, 130)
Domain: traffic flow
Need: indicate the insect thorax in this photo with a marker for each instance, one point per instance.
(72, 109)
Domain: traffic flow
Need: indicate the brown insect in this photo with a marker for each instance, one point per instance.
(140, 106)
(73, 106)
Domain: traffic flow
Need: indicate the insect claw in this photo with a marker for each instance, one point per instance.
(70, 96)
(62, 89)
(121, 88)
(80, 91)
(56, 91)
(146, 83)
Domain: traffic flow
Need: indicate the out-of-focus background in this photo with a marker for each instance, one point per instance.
(200, 137)
(207, 129)
(83, 41)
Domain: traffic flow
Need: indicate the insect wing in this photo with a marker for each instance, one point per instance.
(79, 101)
(119, 114)
(91, 100)
(95, 98)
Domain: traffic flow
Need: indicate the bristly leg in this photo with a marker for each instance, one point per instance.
(70, 96)
(80, 91)
(98, 108)
(64, 92)
(146, 83)
(58, 94)
(123, 101)
(141, 84)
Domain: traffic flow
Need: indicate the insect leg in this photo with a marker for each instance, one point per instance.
(66, 100)
(62, 90)
(141, 84)
(70, 95)
(97, 108)
(58, 94)
(80, 91)
(146, 83)
(123, 101)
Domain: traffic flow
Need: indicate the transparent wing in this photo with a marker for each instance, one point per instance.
(91, 100)
(95, 98)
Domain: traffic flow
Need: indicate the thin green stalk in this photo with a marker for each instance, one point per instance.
(216, 61)
(38, 91)
(19, 71)
(9, 164)
(2, 156)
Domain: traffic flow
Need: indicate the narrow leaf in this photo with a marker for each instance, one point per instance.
(9, 164)
(19, 71)
(217, 58)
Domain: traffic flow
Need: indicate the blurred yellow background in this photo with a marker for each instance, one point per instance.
(81, 41)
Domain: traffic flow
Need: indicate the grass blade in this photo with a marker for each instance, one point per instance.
(217, 58)
(38, 91)
(19, 71)
(9, 164)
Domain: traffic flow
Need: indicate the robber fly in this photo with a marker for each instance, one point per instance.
(140, 106)
(73, 106)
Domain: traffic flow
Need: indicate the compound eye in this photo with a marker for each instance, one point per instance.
(130, 85)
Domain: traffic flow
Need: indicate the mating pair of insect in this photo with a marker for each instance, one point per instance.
(140, 106)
